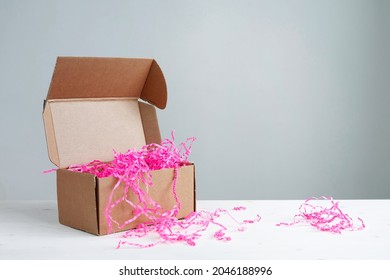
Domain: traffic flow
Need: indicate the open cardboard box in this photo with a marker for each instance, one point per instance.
(93, 108)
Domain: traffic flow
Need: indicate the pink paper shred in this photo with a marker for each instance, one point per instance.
(134, 167)
(330, 219)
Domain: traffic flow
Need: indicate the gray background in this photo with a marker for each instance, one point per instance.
(288, 99)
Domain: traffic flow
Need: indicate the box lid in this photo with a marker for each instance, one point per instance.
(101, 77)
(92, 108)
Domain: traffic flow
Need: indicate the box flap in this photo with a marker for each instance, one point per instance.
(81, 130)
(98, 77)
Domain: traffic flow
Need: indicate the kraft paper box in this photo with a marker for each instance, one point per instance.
(93, 107)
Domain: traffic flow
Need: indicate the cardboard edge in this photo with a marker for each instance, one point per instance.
(96, 179)
(193, 164)
(51, 141)
(186, 195)
(150, 123)
(50, 101)
(155, 88)
(97, 196)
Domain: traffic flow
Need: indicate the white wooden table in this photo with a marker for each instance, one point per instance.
(30, 230)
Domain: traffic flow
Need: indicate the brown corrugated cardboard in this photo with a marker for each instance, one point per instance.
(91, 77)
(92, 108)
(162, 192)
(82, 198)
(110, 124)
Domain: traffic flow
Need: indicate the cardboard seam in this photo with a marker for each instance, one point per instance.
(55, 138)
(194, 187)
(97, 199)
(91, 99)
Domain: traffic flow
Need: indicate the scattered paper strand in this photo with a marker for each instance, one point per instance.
(330, 219)
(134, 168)
(170, 229)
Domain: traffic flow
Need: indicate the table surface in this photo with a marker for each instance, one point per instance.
(30, 230)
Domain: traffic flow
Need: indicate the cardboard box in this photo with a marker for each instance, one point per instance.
(92, 108)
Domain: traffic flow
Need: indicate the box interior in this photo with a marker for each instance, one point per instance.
(90, 129)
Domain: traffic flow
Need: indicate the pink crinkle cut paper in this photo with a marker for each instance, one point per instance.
(324, 214)
(163, 227)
